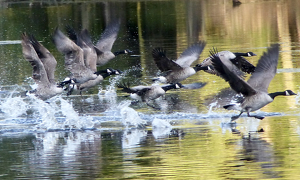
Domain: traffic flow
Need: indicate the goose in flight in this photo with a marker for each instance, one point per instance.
(74, 59)
(81, 59)
(255, 90)
(104, 45)
(178, 70)
(236, 59)
(148, 93)
(43, 64)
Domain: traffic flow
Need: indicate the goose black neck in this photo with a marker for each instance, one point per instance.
(166, 88)
(103, 73)
(199, 68)
(62, 84)
(119, 52)
(241, 54)
(275, 94)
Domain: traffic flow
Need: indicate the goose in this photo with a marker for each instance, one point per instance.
(43, 64)
(236, 59)
(180, 69)
(102, 74)
(74, 59)
(255, 90)
(84, 41)
(148, 93)
(89, 57)
(104, 45)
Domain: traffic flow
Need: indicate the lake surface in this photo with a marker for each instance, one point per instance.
(101, 135)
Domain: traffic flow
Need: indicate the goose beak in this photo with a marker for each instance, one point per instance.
(127, 51)
(119, 72)
(251, 54)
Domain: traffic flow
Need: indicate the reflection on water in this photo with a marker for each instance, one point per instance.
(101, 134)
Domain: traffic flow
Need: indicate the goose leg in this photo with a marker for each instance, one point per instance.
(135, 102)
(157, 108)
(257, 117)
(236, 117)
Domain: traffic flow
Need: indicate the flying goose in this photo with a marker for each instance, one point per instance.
(88, 57)
(102, 74)
(74, 59)
(236, 59)
(43, 64)
(255, 90)
(104, 45)
(180, 69)
(148, 93)
(84, 41)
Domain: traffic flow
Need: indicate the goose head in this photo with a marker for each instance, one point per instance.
(178, 85)
(289, 93)
(127, 51)
(117, 72)
(111, 71)
(249, 54)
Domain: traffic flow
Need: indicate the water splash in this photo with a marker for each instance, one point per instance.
(129, 117)
(55, 114)
(124, 114)
(211, 105)
(13, 107)
(160, 123)
(45, 112)
(132, 137)
(161, 128)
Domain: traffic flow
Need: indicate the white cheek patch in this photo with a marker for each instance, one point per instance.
(108, 71)
(135, 96)
(249, 54)
(287, 93)
(176, 86)
(67, 79)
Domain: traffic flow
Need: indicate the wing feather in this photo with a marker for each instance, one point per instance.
(191, 54)
(229, 74)
(38, 71)
(163, 62)
(265, 69)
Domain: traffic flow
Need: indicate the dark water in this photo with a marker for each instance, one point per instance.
(99, 135)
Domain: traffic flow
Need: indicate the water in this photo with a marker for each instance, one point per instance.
(102, 135)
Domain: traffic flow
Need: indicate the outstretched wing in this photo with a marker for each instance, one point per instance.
(46, 57)
(109, 36)
(244, 65)
(74, 60)
(228, 73)
(265, 69)
(38, 71)
(90, 55)
(191, 54)
(163, 62)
